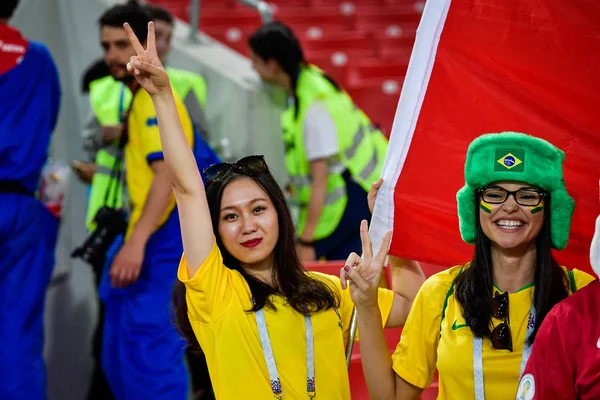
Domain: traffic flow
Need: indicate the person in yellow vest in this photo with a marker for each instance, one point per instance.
(333, 151)
(190, 86)
(476, 323)
(110, 99)
(142, 357)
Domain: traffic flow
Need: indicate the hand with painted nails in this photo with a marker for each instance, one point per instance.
(146, 66)
(364, 272)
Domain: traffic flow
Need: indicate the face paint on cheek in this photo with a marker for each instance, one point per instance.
(485, 207)
(536, 209)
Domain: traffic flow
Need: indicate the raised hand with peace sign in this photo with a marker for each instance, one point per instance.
(198, 237)
(146, 66)
(364, 272)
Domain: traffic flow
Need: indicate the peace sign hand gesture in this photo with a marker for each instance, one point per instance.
(364, 273)
(146, 66)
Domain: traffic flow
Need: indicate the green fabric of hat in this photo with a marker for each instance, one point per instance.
(512, 156)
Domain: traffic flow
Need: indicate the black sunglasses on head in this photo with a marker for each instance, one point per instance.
(501, 335)
(250, 166)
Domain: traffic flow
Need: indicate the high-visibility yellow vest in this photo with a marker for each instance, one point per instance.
(362, 149)
(110, 99)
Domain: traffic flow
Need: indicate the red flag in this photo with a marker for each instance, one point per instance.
(481, 66)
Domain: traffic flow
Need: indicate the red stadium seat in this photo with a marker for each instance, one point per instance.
(242, 18)
(390, 47)
(387, 16)
(395, 29)
(279, 4)
(417, 5)
(357, 3)
(375, 69)
(358, 387)
(334, 63)
(233, 37)
(378, 99)
(356, 43)
(329, 19)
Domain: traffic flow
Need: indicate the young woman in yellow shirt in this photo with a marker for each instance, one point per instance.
(475, 323)
(268, 327)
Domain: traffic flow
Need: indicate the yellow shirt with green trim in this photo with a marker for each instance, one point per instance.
(436, 337)
(142, 148)
(218, 299)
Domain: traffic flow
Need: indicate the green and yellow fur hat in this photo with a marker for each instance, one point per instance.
(512, 156)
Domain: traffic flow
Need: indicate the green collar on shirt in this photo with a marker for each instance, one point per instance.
(523, 288)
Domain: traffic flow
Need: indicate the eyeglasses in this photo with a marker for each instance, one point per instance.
(501, 335)
(525, 196)
(250, 166)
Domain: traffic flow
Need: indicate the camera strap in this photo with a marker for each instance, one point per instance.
(110, 195)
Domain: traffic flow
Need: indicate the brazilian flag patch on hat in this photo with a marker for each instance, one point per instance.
(513, 156)
(509, 160)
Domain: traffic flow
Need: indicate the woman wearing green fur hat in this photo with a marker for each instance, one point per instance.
(475, 323)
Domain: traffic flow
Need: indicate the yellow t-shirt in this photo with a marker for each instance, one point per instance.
(429, 342)
(143, 147)
(217, 299)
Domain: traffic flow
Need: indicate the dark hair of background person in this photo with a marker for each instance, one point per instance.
(7, 8)
(157, 13)
(274, 40)
(130, 12)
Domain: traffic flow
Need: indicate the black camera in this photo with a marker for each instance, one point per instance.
(109, 224)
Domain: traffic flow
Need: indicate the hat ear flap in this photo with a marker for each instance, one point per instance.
(561, 213)
(465, 199)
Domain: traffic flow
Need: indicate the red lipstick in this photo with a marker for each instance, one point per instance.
(252, 243)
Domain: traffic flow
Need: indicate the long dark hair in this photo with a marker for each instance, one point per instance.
(304, 294)
(274, 40)
(474, 283)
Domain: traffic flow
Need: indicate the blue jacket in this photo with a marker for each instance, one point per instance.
(29, 105)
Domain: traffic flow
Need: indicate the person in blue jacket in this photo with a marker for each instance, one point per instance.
(29, 105)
